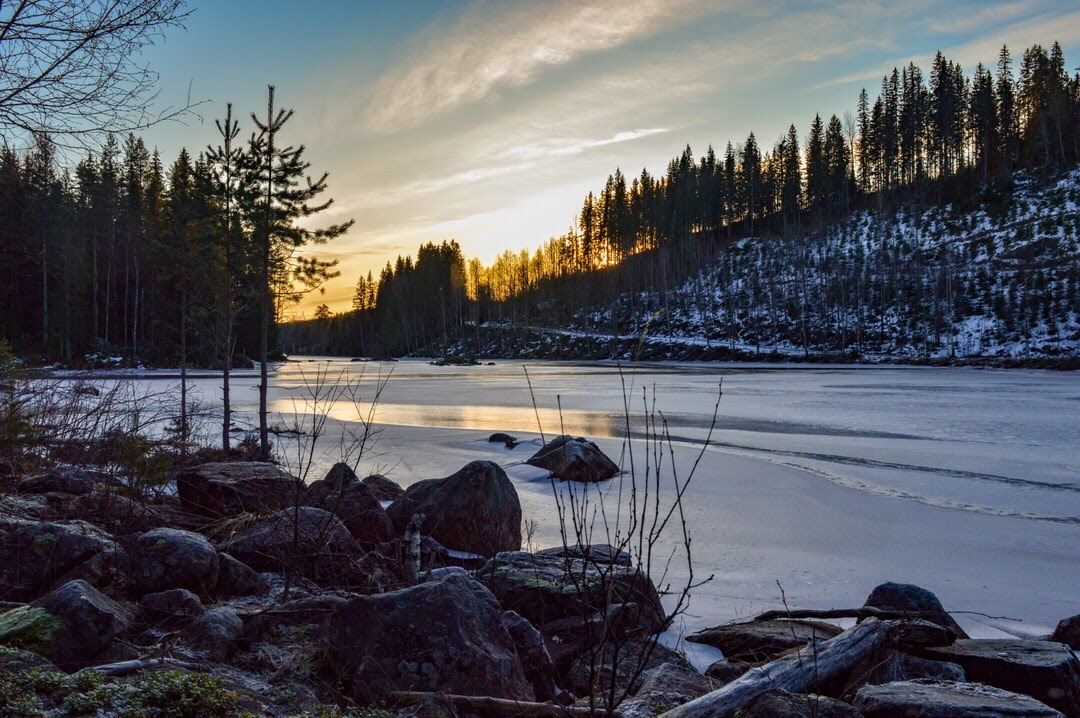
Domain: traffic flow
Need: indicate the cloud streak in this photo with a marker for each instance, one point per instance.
(490, 48)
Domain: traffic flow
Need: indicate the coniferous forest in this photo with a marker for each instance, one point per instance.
(937, 218)
(874, 231)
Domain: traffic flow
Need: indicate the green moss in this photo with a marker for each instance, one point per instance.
(159, 545)
(45, 542)
(30, 628)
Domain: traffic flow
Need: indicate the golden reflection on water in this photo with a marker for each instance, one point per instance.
(484, 417)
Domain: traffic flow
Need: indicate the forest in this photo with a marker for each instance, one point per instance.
(772, 246)
(126, 257)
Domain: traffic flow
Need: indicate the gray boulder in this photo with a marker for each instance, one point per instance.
(1068, 632)
(62, 479)
(574, 459)
(214, 633)
(35, 554)
(231, 488)
(440, 637)
(915, 600)
(946, 699)
(475, 510)
(535, 659)
(238, 579)
(80, 624)
(170, 609)
(548, 588)
(383, 488)
(306, 540)
(1049, 672)
(344, 495)
(756, 641)
(165, 558)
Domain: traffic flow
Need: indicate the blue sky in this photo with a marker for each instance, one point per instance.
(488, 122)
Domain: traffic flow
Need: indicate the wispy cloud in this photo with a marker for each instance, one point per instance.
(563, 147)
(494, 47)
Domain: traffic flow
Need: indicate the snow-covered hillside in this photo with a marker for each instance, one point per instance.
(1001, 281)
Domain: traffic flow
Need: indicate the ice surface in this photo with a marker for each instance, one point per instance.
(825, 481)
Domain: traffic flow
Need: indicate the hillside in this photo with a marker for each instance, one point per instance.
(994, 282)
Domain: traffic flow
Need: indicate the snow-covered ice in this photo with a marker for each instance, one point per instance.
(822, 480)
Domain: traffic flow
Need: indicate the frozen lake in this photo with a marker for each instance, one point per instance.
(825, 481)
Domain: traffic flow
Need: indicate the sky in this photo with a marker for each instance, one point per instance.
(489, 122)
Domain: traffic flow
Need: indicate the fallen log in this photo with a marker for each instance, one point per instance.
(126, 668)
(500, 706)
(818, 664)
(860, 612)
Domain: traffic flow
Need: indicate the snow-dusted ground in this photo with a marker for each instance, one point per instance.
(824, 480)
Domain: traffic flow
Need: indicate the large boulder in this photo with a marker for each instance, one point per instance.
(600, 553)
(1049, 672)
(914, 600)
(756, 641)
(170, 558)
(305, 540)
(113, 512)
(214, 633)
(238, 579)
(1068, 632)
(474, 510)
(441, 637)
(231, 488)
(71, 626)
(548, 588)
(35, 554)
(627, 664)
(62, 479)
(535, 659)
(574, 459)
(383, 488)
(344, 495)
(947, 699)
(170, 609)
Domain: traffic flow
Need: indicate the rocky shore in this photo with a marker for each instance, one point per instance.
(246, 592)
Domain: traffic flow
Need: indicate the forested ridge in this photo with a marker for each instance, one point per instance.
(936, 219)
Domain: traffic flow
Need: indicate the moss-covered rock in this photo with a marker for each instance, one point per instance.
(30, 628)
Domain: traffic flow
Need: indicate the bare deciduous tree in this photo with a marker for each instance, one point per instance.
(71, 68)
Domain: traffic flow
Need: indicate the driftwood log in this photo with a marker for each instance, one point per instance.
(486, 705)
(127, 668)
(815, 665)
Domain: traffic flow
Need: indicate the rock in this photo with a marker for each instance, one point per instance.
(535, 659)
(781, 704)
(475, 510)
(904, 667)
(231, 488)
(1068, 632)
(500, 437)
(723, 672)
(62, 479)
(438, 574)
(16, 660)
(620, 661)
(309, 541)
(913, 599)
(650, 705)
(238, 579)
(167, 558)
(79, 624)
(171, 609)
(342, 494)
(601, 553)
(548, 588)
(676, 677)
(35, 554)
(444, 637)
(756, 641)
(431, 707)
(1049, 672)
(383, 488)
(574, 459)
(946, 699)
(215, 633)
